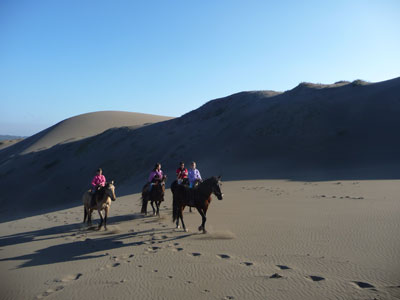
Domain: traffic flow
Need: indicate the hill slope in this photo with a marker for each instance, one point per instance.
(83, 126)
(347, 130)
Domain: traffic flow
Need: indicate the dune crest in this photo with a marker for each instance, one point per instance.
(83, 126)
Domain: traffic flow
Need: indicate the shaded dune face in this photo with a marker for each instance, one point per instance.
(83, 126)
(311, 129)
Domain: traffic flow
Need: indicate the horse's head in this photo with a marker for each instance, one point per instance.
(216, 187)
(110, 190)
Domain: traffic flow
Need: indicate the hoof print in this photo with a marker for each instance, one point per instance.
(316, 278)
(363, 285)
(283, 267)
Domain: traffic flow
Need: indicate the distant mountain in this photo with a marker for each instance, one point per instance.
(312, 132)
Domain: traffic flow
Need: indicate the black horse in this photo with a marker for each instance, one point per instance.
(198, 197)
(155, 195)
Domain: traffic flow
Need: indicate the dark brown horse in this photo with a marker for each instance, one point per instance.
(156, 195)
(198, 197)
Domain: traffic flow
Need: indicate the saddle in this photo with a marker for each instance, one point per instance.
(93, 201)
(145, 189)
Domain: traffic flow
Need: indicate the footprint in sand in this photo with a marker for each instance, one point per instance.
(72, 277)
(246, 263)
(195, 254)
(69, 278)
(283, 267)
(225, 256)
(275, 275)
(316, 278)
(363, 285)
(177, 249)
(49, 292)
(116, 265)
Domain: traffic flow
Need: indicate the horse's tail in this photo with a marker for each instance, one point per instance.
(144, 204)
(175, 208)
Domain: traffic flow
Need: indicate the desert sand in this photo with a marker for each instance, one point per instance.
(7, 143)
(83, 126)
(267, 239)
(311, 207)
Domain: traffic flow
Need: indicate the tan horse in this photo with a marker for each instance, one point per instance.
(103, 199)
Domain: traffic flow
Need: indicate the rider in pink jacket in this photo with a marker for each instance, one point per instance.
(98, 180)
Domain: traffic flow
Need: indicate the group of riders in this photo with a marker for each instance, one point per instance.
(190, 178)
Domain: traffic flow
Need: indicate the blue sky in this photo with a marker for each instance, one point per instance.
(63, 58)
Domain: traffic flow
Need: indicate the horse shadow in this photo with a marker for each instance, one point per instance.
(56, 232)
(79, 249)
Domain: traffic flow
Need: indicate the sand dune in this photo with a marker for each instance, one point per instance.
(8, 143)
(83, 126)
(310, 211)
(310, 132)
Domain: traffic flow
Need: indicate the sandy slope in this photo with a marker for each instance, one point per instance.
(83, 126)
(313, 131)
(327, 240)
(7, 143)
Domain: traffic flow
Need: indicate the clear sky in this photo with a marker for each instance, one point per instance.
(63, 58)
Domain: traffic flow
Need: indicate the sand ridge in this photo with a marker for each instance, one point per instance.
(83, 126)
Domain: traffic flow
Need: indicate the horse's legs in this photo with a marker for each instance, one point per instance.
(85, 214)
(101, 218)
(89, 217)
(177, 219)
(158, 203)
(152, 206)
(181, 216)
(105, 218)
(203, 218)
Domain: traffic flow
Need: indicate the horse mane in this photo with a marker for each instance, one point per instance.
(213, 178)
(101, 192)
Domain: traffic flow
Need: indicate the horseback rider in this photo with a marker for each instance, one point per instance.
(155, 176)
(181, 173)
(194, 175)
(99, 180)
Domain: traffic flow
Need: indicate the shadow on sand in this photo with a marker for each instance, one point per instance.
(81, 249)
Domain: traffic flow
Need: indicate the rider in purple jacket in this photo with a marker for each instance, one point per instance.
(155, 175)
(194, 175)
